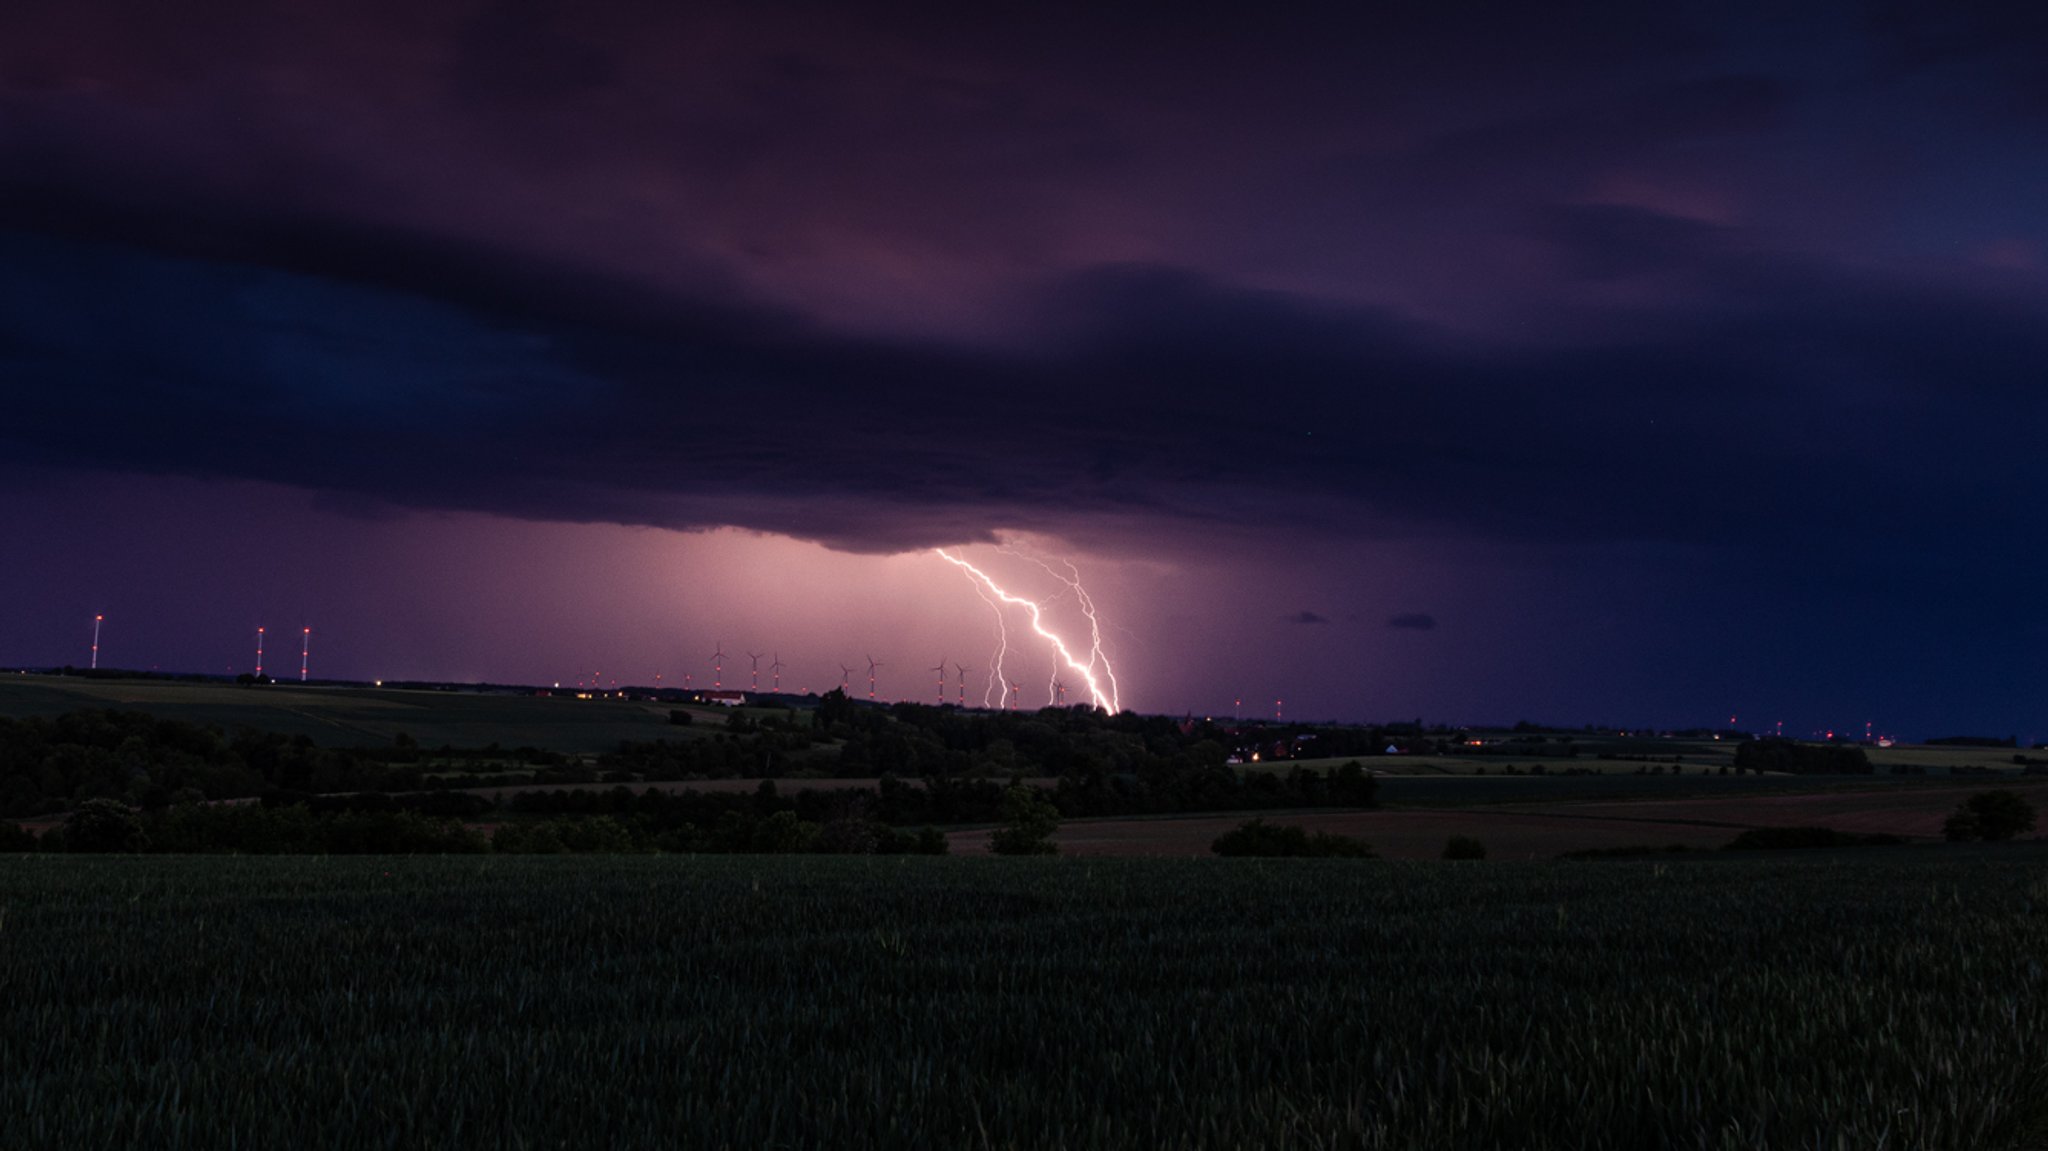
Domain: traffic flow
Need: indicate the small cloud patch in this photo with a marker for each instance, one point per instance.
(1306, 616)
(1413, 621)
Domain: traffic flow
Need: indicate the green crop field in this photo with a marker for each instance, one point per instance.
(1832, 1001)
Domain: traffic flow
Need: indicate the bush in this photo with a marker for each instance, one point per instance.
(527, 839)
(14, 837)
(1990, 815)
(598, 835)
(1464, 847)
(104, 825)
(1627, 851)
(1029, 820)
(854, 836)
(1798, 838)
(1258, 839)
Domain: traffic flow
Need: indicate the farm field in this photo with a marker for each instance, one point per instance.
(944, 1003)
(1692, 755)
(787, 785)
(1910, 811)
(1540, 830)
(363, 717)
(1409, 835)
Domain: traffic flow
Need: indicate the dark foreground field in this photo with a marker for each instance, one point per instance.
(1820, 1002)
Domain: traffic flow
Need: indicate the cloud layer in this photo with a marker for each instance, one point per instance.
(1623, 280)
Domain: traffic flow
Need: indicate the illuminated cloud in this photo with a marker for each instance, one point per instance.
(1600, 289)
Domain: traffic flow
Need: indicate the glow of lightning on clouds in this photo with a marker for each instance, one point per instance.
(1107, 700)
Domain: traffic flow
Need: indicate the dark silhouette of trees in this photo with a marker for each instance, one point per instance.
(1801, 758)
(1029, 820)
(104, 826)
(1257, 838)
(1464, 847)
(1990, 815)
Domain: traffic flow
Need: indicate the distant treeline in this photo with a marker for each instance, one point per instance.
(1801, 758)
(102, 825)
(1975, 741)
(941, 800)
(53, 764)
(1106, 764)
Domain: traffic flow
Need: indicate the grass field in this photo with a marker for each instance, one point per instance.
(1830, 1002)
(365, 717)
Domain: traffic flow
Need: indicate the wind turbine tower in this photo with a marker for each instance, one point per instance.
(961, 671)
(96, 621)
(775, 670)
(718, 667)
(305, 651)
(845, 680)
(755, 656)
(941, 669)
(872, 665)
(259, 653)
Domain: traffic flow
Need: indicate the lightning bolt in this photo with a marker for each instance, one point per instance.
(1096, 656)
(989, 589)
(1002, 648)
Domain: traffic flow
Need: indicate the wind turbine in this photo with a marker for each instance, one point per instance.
(1016, 692)
(872, 665)
(961, 670)
(775, 669)
(845, 679)
(718, 667)
(1059, 693)
(941, 669)
(756, 657)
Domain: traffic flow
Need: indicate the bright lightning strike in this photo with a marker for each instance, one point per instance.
(1073, 581)
(1097, 694)
(997, 676)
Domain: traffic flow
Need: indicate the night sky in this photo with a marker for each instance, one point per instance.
(1649, 365)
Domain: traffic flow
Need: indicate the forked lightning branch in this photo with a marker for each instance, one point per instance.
(1095, 670)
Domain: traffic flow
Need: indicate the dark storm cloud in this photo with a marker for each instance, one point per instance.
(1306, 617)
(910, 277)
(1777, 405)
(1413, 621)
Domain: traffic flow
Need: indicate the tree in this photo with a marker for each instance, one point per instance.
(1464, 847)
(1260, 839)
(1029, 820)
(104, 825)
(1989, 815)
